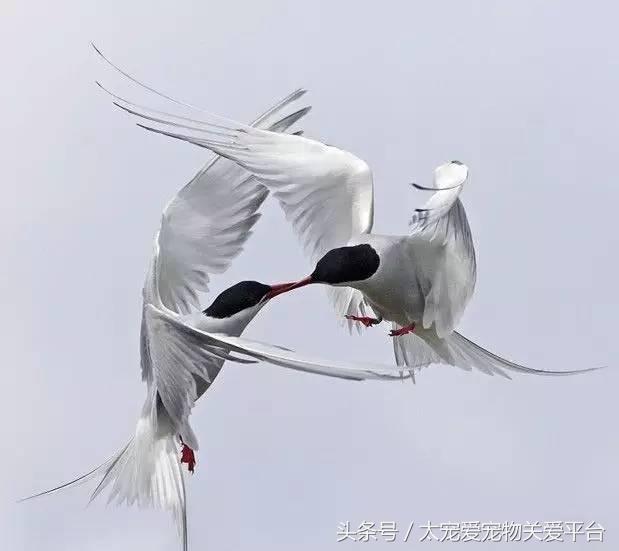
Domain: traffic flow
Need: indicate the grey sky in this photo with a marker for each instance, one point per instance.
(524, 92)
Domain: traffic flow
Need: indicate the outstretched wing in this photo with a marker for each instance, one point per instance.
(179, 360)
(442, 250)
(208, 222)
(202, 229)
(244, 350)
(326, 193)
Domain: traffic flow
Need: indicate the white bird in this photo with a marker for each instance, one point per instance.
(420, 282)
(183, 349)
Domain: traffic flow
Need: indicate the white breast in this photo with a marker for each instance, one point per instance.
(393, 291)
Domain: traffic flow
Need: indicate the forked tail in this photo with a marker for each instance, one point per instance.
(468, 355)
(424, 347)
(146, 472)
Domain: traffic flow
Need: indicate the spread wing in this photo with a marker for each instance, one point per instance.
(202, 229)
(243, 350)
(326, 193)
(442, 250)
(205, 226)
(179, 360)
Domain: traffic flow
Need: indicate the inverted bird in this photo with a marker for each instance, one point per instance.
(420, 282)
(182, 348)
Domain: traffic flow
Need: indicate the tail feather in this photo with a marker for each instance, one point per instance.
(97, 471)
(424, 347)
(477, 356)
(146, 472)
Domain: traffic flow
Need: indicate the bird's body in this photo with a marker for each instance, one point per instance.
(202, 229)
(393, 291)
(411, 278)
(182, 348)
(421, 282)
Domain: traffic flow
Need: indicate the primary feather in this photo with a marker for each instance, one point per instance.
(327, 195)
(202, 229)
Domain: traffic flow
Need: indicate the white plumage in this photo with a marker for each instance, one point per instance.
(425, 279)
(182, 350)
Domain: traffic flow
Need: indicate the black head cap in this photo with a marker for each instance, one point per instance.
(241, 296)
(346, 264)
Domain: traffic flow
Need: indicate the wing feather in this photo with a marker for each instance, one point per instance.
(326, 193)
(202, 229)
(169, 326)
(183, 364)
(442, 250)
(205, 226)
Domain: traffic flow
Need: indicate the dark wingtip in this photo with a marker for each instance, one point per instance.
(98, 83)
(169, 134)
(423, 188)
(426, 188)
(298, 93)
(149, 128)
(587, 369)
(127, 110)
(301, 112)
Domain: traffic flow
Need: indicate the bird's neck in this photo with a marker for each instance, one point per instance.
(232, 326)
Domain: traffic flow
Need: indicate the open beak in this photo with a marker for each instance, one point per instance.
(285, 287)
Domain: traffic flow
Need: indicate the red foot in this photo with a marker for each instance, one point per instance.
(187, 456)
(402, 330)
(368, 322)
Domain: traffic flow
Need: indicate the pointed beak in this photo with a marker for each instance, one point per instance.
(285, 287)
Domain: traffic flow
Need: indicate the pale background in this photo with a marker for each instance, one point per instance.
(524, 92)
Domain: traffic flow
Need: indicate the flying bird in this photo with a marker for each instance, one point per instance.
(421, 282)
(183, 347)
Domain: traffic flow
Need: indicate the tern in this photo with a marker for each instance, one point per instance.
(420, 282)
(182, 347)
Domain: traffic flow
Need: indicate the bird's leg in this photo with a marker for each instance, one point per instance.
(402, 330)
(188, 456)
(368, 322)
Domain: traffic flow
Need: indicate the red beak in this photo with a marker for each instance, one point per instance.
(285, 287)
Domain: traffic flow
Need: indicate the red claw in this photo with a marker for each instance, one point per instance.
(189, 457)
(368, 322)
(402, 330)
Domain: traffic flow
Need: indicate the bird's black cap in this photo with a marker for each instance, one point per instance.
(233, 300)
(346, 264)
